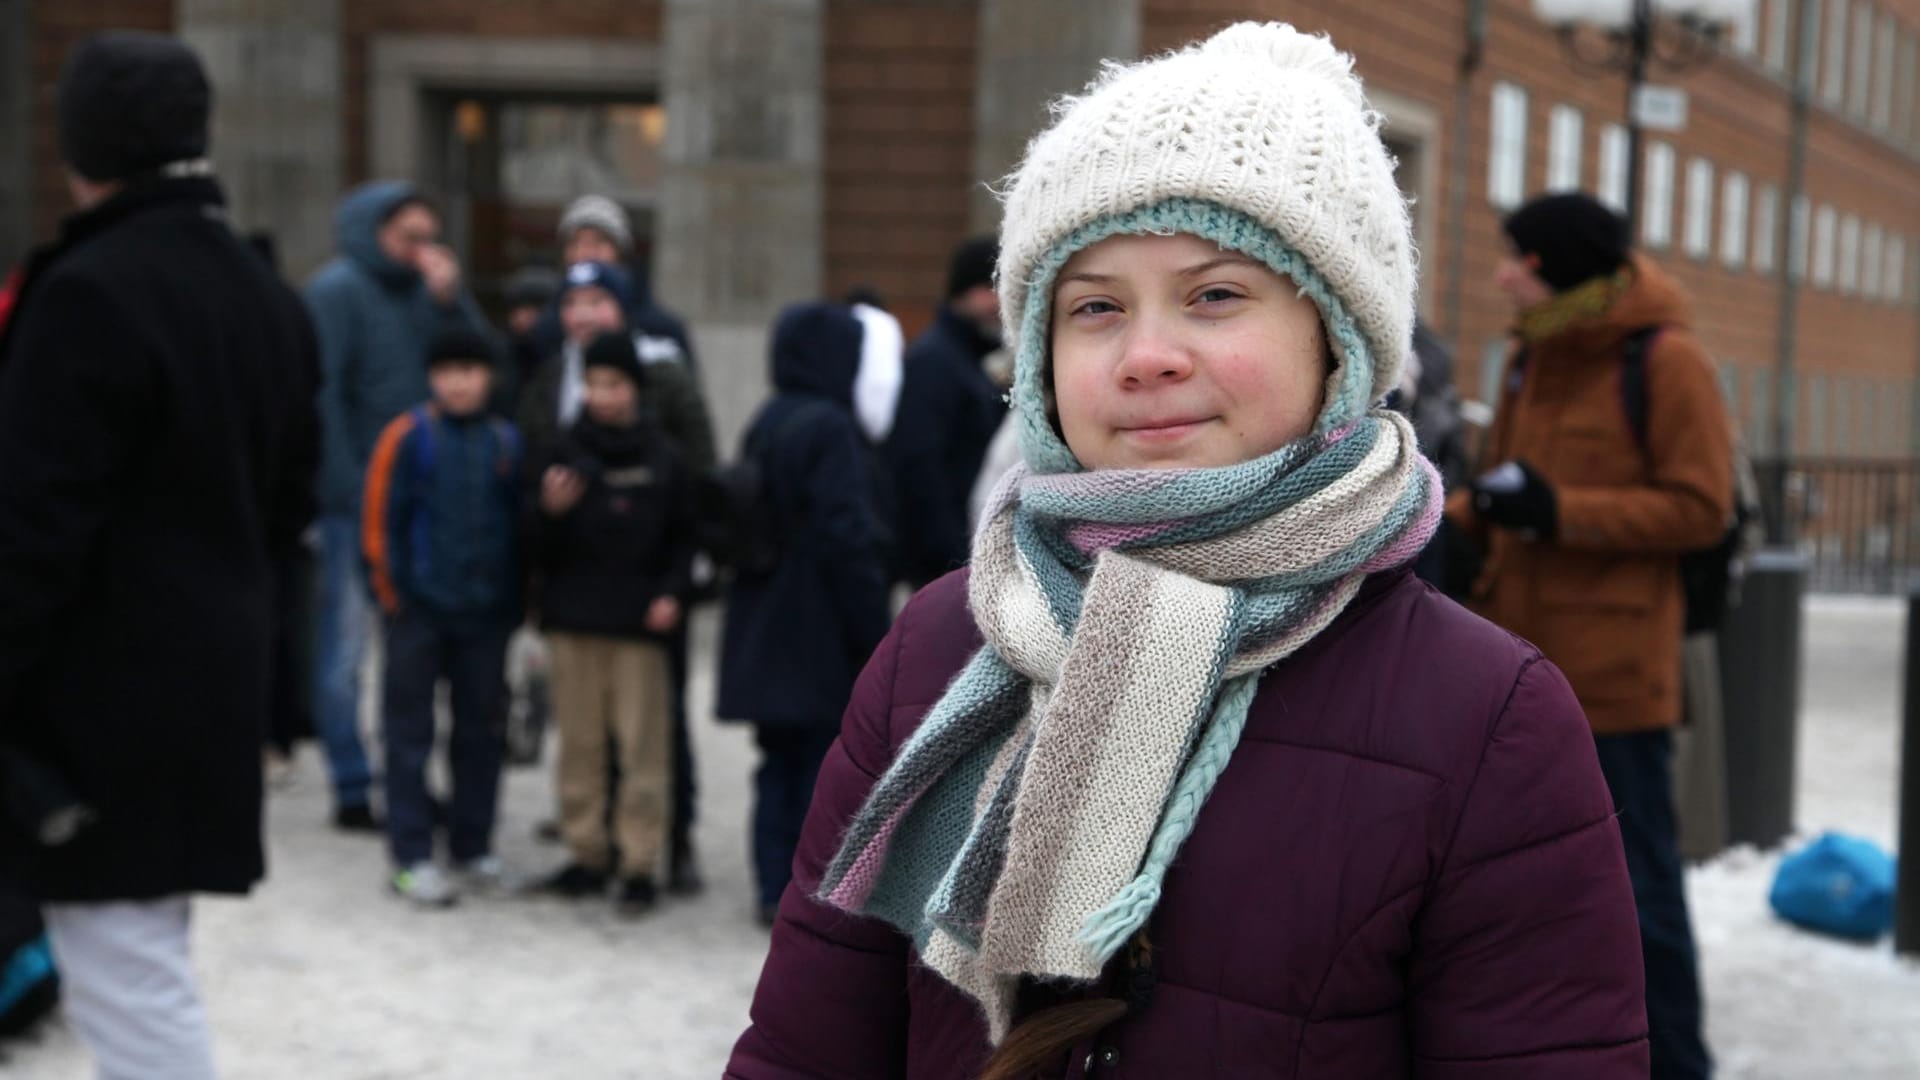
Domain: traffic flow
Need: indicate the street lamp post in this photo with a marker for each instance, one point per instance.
(1634, 43)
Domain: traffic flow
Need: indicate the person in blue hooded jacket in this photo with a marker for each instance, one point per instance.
(375, 307)
(797, 637)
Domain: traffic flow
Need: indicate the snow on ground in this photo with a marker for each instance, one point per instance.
(1783, 1003)
(323, 976)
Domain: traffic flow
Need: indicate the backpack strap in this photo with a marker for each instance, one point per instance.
(1633, 380)
(506, 439)
(420, 464)
(425, 446)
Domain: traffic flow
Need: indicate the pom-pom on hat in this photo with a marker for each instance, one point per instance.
(1259, 139)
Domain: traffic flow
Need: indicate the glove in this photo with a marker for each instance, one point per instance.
(1516, 497)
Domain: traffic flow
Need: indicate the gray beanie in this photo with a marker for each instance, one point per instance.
(599, 213)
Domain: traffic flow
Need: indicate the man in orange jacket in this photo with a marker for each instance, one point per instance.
(1598, 480)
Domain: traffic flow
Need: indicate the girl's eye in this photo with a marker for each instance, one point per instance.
(1218, 294)
(1095, 307)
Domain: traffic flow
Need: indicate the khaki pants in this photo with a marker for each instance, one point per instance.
(613, 694)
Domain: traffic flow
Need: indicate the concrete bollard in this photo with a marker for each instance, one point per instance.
(1760, 651)
(1906, 911)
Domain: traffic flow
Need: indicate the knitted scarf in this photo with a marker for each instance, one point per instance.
(1025, 828)
(1585, 302)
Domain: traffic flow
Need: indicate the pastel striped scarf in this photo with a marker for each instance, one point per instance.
(1026, 826)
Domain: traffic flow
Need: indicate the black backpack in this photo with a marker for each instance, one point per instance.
(742, 528)
(1707, 576)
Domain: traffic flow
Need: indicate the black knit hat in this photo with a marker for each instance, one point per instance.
(459, 344)
(614, 350)
(131, 102)
(1576, 238)
(972, 265)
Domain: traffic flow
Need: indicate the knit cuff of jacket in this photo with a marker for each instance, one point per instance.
(1348, 389)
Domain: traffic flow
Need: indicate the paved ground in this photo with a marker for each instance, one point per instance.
(321, 975)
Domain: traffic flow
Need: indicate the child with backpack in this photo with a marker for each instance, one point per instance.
(613, 546)
(440, 531)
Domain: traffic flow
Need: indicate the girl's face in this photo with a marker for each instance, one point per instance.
(1169, 351)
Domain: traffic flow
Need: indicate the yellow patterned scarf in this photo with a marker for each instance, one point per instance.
(1586, 301)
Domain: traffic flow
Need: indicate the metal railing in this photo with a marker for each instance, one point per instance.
(1856, 520)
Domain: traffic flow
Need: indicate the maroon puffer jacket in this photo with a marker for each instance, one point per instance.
(1409, 868)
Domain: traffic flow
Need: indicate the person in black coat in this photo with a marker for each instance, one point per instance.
(158, 449)
(614, 538)
(796, 638)
(949, 411)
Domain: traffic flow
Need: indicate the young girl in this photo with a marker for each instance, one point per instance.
(1189, 776)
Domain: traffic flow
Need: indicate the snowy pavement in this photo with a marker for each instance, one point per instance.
(321, 975)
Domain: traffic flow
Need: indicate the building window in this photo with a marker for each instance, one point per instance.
(1760, 412)
(1845, 432)
(1903, 90)
(1766, 224)
(1699, 224)
(1745, 30)
(1779, 22)
(1493, 365)
(1797, 239)
(1824, 220)
(1563, 149)
(1881, 113)
(1833, 65)
(1849, 272)
(1896, 268)
(1507, 163)
(1613, 167)
(1870, 255)
(1733, 220)
(1656, 206)
(1816, 436)
(1859, 77)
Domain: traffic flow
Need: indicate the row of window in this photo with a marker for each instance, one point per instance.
(1840, 415)
(1855, 258)
(1865, 58)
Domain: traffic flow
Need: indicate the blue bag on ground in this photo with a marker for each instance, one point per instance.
(1838, 884)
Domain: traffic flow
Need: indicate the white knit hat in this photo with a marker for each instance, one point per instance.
(600, 213)
(1261, 121)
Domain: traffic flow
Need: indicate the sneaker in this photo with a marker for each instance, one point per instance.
(637, 895)
(575, 881)
(357, 818)
(486, 875)
(425, 885)
(683, 873)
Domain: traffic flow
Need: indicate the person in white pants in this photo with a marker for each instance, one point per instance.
(128, 988)
(159, 439)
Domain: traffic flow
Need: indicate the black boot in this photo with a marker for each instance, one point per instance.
(683, 869)
(357, 818)
(637, 896)
(575, 881)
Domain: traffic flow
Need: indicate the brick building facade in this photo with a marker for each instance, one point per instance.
(814, 145)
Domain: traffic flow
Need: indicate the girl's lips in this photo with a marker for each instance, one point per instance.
(1165, 431)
